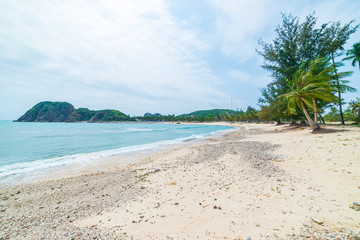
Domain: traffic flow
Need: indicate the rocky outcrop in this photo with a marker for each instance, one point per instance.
(48, 112)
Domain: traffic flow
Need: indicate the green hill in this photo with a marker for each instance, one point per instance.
(109, 115)
(212, 112)
(65, 112)
(48, 112)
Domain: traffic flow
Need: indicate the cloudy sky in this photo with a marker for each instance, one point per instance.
(137, 56)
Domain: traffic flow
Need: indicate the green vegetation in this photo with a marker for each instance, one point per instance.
(65, 112)
(354, 54)
(210, 113)
(301, 60)
(351, 114)
(353, 110)
(310, 82)
(48, 112)
(109, 115)
(81, 115)
(213, 115)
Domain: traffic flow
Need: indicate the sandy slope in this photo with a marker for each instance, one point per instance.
(262, 182)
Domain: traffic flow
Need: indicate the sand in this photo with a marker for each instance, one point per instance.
(258, 182)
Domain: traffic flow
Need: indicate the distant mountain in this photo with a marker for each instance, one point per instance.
(48, 112)
(65, 112)
(81, 115)
(110, 115)
(152, 115)
(212, 112)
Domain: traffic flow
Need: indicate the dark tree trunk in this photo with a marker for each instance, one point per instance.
(338, 89)
(322, 119)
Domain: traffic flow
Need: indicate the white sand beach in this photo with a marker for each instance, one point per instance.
(258, 182)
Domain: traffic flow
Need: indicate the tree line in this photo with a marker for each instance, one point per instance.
(306, 77)
(215, 115)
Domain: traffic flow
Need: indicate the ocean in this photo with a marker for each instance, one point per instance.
(29, 150)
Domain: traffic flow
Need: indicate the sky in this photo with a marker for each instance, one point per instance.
(137, 56)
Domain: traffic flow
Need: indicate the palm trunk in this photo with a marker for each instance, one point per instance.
(338, 89)
(315, 111)
(312, 124)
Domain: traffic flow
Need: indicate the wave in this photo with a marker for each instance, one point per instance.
(40, 166)
(134, 130)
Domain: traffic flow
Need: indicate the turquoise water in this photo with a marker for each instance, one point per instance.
(34, 148)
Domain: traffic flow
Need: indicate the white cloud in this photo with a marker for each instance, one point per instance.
(248, 79)
(135, 56)
(240, 24)
(114, 52)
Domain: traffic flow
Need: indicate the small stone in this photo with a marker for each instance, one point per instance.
(318, 221)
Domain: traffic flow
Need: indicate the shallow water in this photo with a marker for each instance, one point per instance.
(36, 148)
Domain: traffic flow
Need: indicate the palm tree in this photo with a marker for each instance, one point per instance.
(354, 54)
(313, 80)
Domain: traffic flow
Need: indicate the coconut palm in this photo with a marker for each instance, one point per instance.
(354, 54)
(313, 80)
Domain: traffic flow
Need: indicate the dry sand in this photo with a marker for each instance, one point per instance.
(259, 182)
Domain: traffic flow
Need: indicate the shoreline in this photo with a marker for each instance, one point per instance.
(232, 186)
(108, 163)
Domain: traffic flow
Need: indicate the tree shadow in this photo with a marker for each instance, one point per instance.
(328, 130)
(322, 129)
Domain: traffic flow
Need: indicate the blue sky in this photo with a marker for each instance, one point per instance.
(142, 56)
